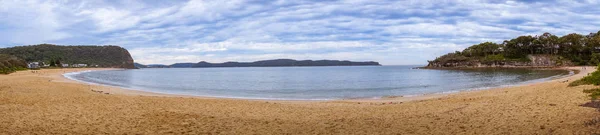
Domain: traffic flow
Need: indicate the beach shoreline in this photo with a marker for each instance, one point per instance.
(577, 71)
(397, 98)
(45, 102)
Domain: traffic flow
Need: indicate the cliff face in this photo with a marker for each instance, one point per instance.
(124, 57)
(100, 56)
(533, 61)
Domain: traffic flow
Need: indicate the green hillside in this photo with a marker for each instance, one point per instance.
(576, 49)
(9, 64)
(102, 56)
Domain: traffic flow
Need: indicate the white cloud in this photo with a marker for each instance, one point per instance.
(30, 22)
(109, 19)
(241, 30)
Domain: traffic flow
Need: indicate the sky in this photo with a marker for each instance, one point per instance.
(392, 32)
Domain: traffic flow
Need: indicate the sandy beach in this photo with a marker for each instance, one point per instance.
(45, 102)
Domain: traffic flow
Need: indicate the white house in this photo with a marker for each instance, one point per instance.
(44, 64)
(65, 65)
(79, 65)
(33, 65)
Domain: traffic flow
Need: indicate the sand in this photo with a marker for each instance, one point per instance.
(47, 103)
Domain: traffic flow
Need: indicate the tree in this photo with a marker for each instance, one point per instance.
(595, 59)
(573, 48)
(594, 43)
(482, 49)
(519, 47)
(57, 62)
(52, 63)
(548, 43)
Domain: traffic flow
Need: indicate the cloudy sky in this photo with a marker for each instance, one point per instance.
(391, 32)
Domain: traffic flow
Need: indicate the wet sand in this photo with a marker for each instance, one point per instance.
(47, 103)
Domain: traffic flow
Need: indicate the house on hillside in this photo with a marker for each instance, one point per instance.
(33, 65)
(65, 65)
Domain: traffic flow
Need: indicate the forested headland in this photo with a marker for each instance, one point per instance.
(545, 50)
(55, 55)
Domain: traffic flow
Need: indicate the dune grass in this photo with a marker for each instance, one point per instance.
(593, 93)
(9, 64)
(592, 79)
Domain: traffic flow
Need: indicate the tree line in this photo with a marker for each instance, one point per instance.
(579, 49)
(55, 55)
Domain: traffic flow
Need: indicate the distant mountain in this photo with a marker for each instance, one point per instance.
(182, 65)
(100, 56)
(138, 65)
(157, 66)
(265, 63)
(284, 63)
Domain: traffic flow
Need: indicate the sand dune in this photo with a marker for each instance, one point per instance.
(47, 103)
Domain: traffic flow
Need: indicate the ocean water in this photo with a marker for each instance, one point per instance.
(312, 83)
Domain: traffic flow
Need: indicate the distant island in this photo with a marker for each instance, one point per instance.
(264, 63)
(545, 50)
(49, 56)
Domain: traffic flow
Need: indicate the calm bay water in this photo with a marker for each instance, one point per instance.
(312, 83)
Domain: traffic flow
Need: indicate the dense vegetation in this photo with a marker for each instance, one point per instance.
(9, 64)
(593, 93)
(579, 49)
(593, 78)
(102, 56)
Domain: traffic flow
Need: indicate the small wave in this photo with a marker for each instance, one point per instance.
(71, 75)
